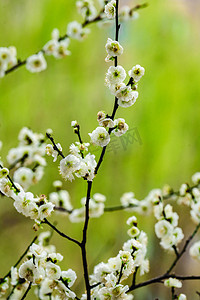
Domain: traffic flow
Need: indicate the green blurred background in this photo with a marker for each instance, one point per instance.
(165, 40)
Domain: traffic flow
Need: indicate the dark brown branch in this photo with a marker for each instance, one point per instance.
(54, 145)
(11, 181)
(28, 289)
(159, 279)
(61, 233)
(84, 240)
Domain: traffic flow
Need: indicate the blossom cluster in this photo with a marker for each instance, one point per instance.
(166, 228)
(75, 164)
(115, 76)
(36, 208)
(41, 269)
(27, 160)
(110, 275)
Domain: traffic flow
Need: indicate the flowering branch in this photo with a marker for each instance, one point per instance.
(55, 147)
(87, 22)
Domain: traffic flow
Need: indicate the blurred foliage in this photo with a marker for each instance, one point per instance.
(165, 40)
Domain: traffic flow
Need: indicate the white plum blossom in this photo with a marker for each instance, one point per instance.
(69, 277)
(24, 176)
(4, 172)
(125, 13)
(74, 123)
(61, 199)
(195, 251)
(113, 49)
(61, 49)
(101, 116)
(195, 212)
(99, 197)
(96, 209)
(107, 122)
(163, 228)
(68, 165)
(36, 63)
(25, 201)
(173, 282)
(87, 9)
(110, 9)
(120, 127)
(115, 75)
(136, 72)
(57, 184)
(8, 58)
(100, 137)
(76, 31)
(129, 101)
(125, 93)
(133, 232)
(182, 297)
(50, 47)
(29, 271)
(196, 178)
(38, 251)
(52, 271)
(128, 199)
(45, 210)
(14, 276)
(77, 149)
(4, 286)
(132, 221)
(52, 152)
(183, 189)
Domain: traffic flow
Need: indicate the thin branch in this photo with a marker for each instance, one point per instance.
(134, 276)
(11, 181)
(54, 145)
(175, 250)
(159, 279)
(11, 293)
(62, 209)
(84, 240)
(28, 289)
(61, 233)
(106, 209)
(21, 257)
(77, 131)
(63, 281)
(121, 273)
